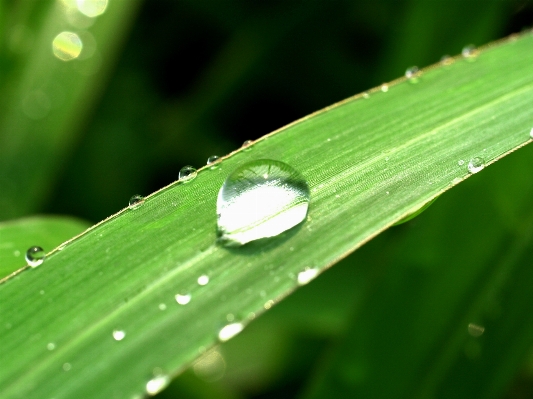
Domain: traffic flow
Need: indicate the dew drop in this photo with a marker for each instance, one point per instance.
(187, 173)
(157, 384)
(136, 201)
(475, 330)
(366, 95)
(384, 87)
(35, 256)
(212, 159)
(446, 60)
(531, 134)
(476, 164)
(413, 73)
(247, 144)
(470, 52)
(119, 335)
(229, 331)
(67, 366)
(203, 279)
(260, 199)
(50, 346)
(307, 275)
(67, 46)
(162, 306)
(184, 299)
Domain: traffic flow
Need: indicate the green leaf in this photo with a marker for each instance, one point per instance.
(369, 162)
(45, 231)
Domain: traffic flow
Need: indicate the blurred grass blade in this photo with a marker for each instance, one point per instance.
(43, 99)
(369, 161)
(452, 319)
(46, 231)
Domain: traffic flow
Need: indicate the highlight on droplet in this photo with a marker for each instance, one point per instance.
(67, 46)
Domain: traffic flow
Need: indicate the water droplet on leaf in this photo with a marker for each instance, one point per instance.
(212, 159)
(307, 275)
(183, 299)
(384, 87)
(413, 73)
(187, 173)
(260, 199)
(50, 346)
(470, 52)
(247, 143)
(157, 384)
(203, 279)
(476, 164)
(531, 134)
(35, 256)
(119, 335)
(229, 331)
(136, 201)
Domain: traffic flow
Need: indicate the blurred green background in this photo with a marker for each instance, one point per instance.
(165, 83)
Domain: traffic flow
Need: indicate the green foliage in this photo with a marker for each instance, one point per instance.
(200, 77)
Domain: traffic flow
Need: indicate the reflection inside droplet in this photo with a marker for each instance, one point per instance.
(229, 331)
(157, 384)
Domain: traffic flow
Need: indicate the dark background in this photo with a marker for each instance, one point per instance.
(199, 77)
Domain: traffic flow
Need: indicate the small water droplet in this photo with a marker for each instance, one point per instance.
(35, 256)
(67, 46)
(187, 173)
(162, 306)
(268, 304)
(157, 384)
(461, 162)
(307, 275)
(230, 317)
(203, 279)
(475, 330)
(184, 299)
(119, 335)
(470, 52)
(413, 74)
(212, 160)
(247, 144)
(531, 134)
(384, 87)
(50, 346)
(260, 199)
(229, 331)
(136, 201)
(366, 95)
(67, 366)
(476, 164)
(16, 253)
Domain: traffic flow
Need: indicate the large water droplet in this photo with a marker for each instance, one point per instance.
(67, 46)
(476, 164)
(136, 201)
(119, 335)
(35, 256)
(229, 331)
(157, 384)
(187, 173)
(260, 199)
(183, 299)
